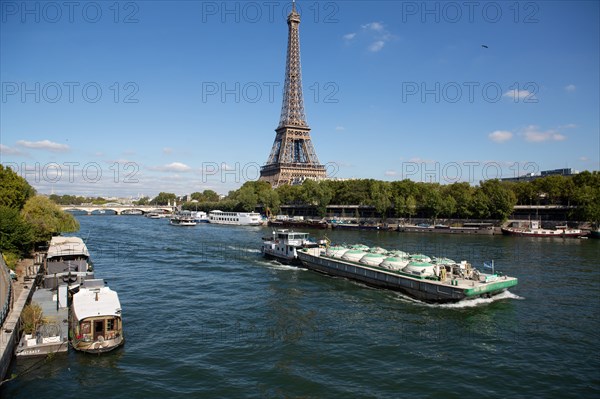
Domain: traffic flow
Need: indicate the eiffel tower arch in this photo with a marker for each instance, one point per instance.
(293, 158)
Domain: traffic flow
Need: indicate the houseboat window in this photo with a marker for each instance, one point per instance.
(110, 324)
(99, 326)
(85, 327)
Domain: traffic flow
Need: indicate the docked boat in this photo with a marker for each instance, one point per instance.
(200, 217)
(68, 261)
(235, 218)
(438, 281)
(283, 246)
(183, 218)
(466, 228)
(533, 229)
(51, 336)
(283, 221)
(95, 318)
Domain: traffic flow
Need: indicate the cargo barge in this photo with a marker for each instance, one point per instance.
(439, 281)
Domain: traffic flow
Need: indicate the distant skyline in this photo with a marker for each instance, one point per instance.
(134, 98)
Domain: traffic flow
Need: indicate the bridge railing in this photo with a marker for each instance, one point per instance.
(5, 290)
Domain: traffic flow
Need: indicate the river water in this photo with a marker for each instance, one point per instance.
(205, 316)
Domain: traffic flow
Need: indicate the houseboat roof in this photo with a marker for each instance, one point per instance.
(92, 302)
(64, 246)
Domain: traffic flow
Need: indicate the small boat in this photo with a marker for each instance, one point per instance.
(51, 336)
(439, 282)
(183, 218)
(67, 261)
(284, 244)
(533, 229)
(95, 318)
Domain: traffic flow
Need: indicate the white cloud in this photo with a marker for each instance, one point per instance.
(583, 158)
(167, 150)
(44, 145)
(570, 88)
(373, 33)
(533, 134)
(173, 167)
(376, 26)
(6, 150)
(391, 173)
(519, 95)
(340, 128)
(500, 136)
(376, 46)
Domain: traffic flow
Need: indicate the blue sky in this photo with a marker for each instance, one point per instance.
(149, 96)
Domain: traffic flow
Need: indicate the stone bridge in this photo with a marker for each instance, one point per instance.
(118, 208)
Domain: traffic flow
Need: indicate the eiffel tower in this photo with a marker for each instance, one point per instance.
(293, 158)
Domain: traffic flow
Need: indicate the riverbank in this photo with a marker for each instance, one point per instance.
(21, 292)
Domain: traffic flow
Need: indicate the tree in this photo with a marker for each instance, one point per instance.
(501, 198)
(15, 234)
(164, 199)
(381, 194)
(480, 206)
(411, 206)
(46, 219)
(462, 193)
(14, 190)
(247, 198)
(142, 201)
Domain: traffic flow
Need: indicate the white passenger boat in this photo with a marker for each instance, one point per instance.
(183, 218)
(95, 318)
(235, 218)
(68, 261)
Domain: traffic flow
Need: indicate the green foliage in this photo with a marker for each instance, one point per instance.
(15, 233)
(11, 259)
(501, 198)
(142, 201)
(47, 219)
(205, 196)
(14, 190)
(31, 318)
(163, 199)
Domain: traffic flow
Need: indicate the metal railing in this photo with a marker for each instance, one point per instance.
(5, 289)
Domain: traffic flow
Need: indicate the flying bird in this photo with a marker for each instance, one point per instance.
(484, 46)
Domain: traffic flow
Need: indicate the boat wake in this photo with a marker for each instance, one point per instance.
(273, 264)
(242, 249)
(469, 303)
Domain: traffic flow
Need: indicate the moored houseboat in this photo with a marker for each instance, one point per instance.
(532, 229)
(95, 319)
(67, 261)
